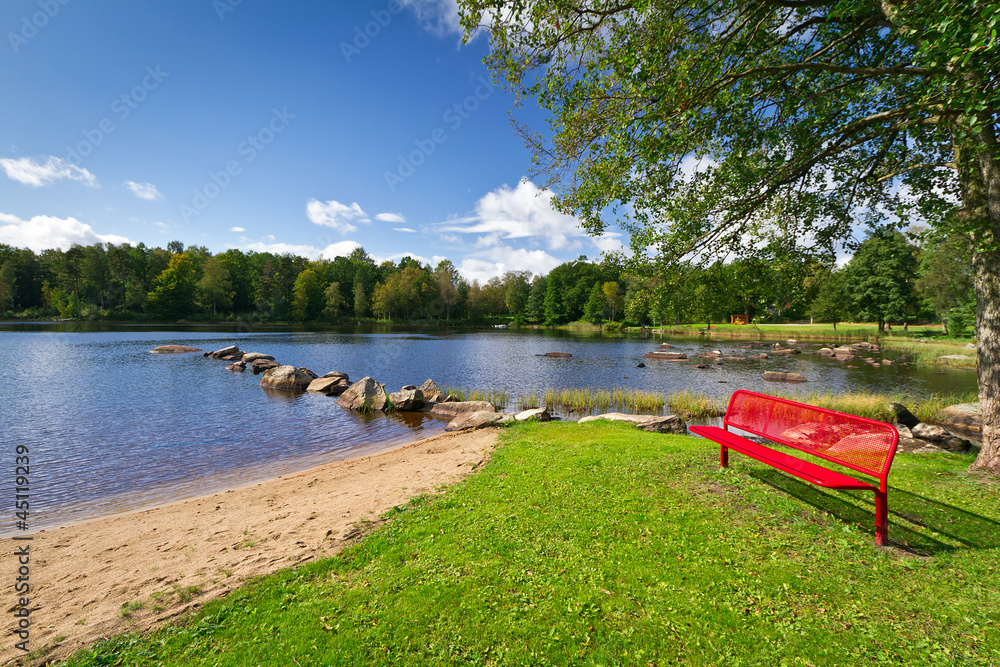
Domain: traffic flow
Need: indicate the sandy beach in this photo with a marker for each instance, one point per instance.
(135, 571)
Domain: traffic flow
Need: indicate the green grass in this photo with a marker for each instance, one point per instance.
(598, 544)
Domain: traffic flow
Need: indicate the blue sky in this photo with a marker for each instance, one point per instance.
(306, 127)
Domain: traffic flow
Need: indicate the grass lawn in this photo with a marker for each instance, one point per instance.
(598, 544)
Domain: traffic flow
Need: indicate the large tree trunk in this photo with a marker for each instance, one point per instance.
(987, 267)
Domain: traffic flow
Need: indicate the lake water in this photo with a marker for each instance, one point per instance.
(112, 427)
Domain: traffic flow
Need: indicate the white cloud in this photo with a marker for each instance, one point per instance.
(43, 232)
(390, 217)
(237, 229)
(438, 16)
(145, 191)
(336, 215)
(404, 229)
(339, 249)
(525, 212)
(500, 259)
(27, 171)
(428, 261)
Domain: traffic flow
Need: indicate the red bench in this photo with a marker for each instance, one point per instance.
(860, 444)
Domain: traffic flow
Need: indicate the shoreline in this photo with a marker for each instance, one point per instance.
(139, 569)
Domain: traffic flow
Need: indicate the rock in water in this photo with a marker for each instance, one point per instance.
(431, 392)
(365, 395)
(473, 420)
(250, 357)
(287, 378)
(453, 409)
(408, 399)
(539, 414)
(334, 386)
(783, 377)
(173, 349)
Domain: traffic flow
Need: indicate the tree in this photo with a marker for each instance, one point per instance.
(597, 305)
(878, 277)
(830, 304)
(334, 301)
(8, 286)
(173, 290)
(613, 294)
(215, 286)
(308, 296)
(710, 123)
(447, 280)
(946, 280)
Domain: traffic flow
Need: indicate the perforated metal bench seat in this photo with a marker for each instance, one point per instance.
(863, 445)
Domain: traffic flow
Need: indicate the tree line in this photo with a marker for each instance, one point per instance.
(890, 279)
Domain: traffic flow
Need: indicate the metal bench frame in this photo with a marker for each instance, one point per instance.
(863, 445)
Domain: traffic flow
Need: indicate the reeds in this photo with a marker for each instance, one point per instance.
(876, 406)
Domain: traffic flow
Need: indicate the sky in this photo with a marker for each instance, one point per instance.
(303, 127)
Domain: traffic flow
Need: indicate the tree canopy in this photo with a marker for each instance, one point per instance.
(706, 127)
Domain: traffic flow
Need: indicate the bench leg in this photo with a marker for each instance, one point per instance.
(881, 519)
(723, 456)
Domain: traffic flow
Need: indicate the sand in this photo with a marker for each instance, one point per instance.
(136, 571)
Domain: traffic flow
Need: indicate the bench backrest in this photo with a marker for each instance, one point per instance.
(857, 443)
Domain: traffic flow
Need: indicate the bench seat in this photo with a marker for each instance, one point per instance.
(810, 472)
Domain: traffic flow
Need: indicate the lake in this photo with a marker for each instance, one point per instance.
(111, 427)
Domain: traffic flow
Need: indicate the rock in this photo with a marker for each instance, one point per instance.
(651, 423)
(666, 356)
(308, 372)
(902, 416)
(262, 365)
(287, 378)
(365, 395)
(930, 432)
(775, 376)
(334, 386)
(450, 410)
(903, 431)
(431, 392)
(791, 341)
(250, 357)
(640, 365)
(701, 366)
(666, 346)
(970, 346)
(237, 367)
(966, 416)
(408, 399)
(473, 420)
(825, 351)
(786, 351)
(336, 374)
(537, 414)
(232, 357)
(955, 357)
(557, 355)
(762, 355)
(224, 352)
(173, 349)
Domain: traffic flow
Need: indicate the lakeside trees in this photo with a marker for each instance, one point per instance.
(717, 125)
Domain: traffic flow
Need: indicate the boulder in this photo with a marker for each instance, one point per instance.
(791, 341)
(237, 367)
(407, 399)
(902, 416)
(966, 416)
(666, 346)
(336, 374)
(473, 420)
(224, 352)
(173, 349)
(903, 431)
(365, 395)
(775, 376)
(431, 392)
(328, 386)
(232, 357)
(970, 346)
(640, 365)
(650, 423)
(537, 414)
(262, 365)
(450, 410)
(287, 378)
(941, 437)
(825, 351)
(250, 357)
(666, 356)
(308, 372)
(557, 355)
(786, 351)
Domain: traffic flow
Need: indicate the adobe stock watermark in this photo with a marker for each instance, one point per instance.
(363, 35)
(454, 117)
(121, 108)
(248, 150)
(223, 7)
(30, 25)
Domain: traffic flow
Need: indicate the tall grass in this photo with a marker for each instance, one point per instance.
(876, 406)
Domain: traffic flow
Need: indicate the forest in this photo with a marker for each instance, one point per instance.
(892, 279)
